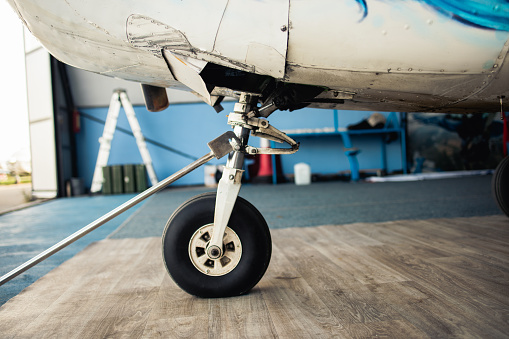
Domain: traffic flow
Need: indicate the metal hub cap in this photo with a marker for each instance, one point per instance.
(232, 251)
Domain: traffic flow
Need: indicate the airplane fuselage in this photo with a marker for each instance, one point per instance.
(367, 55)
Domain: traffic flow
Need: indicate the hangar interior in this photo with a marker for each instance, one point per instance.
(68, 108)
(80, 101)
(379, 266)
(179, 135)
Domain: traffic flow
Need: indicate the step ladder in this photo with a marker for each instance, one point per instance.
(119, 98)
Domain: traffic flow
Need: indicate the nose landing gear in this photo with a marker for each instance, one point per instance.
(219, 245)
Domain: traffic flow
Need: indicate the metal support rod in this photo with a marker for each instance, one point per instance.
(105, 218)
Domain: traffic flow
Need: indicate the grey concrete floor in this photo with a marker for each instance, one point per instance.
(14, 196)
(27, 232)
(329, 203)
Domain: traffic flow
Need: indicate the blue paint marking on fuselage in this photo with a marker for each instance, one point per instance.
(364, 8)
(486, 14)
(492, 14)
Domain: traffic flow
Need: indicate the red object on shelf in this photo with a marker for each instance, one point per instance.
(265, 168)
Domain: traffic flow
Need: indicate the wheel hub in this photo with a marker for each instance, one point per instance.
(209, 261)
(214, 252)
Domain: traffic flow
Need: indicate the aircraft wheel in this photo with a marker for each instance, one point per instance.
(247, 248)
(500, 185)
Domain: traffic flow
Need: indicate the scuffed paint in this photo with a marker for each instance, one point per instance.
(488, 64)
(487, 14)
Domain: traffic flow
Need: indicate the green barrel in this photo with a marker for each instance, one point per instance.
(107, 183)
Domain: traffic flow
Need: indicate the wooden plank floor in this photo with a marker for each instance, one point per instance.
(403, 279)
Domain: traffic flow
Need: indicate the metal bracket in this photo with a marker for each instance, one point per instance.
(261, 128)
(224, 144)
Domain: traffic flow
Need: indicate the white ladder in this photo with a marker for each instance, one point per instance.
(118, 98)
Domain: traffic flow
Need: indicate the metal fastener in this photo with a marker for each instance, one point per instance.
(284, 28)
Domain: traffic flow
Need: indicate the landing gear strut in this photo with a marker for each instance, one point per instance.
(220, 245)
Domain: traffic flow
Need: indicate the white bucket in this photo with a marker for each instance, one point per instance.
(302, 173)
(210, 175)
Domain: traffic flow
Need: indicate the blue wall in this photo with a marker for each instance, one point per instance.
(188, 128)
(325, 154)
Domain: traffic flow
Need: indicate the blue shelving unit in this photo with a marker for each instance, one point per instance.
(393, 124)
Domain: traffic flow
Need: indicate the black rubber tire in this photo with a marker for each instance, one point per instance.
(500, 185)
(250, 227)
